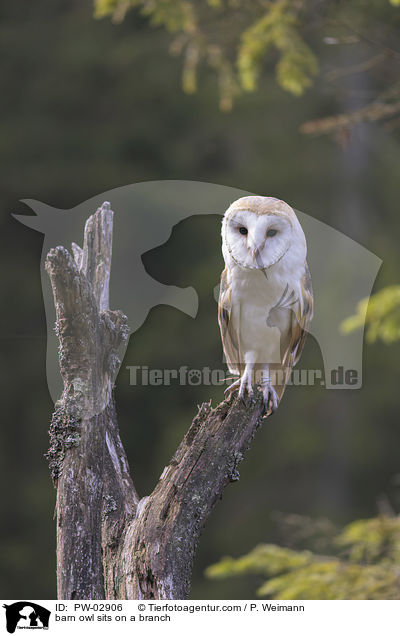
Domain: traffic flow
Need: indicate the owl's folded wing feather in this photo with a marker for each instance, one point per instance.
(228, 335)
(300, 323)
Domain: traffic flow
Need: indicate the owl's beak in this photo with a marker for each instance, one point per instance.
(257, 257)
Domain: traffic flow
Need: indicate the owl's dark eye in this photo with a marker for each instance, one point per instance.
(271, 233)
(243, 230)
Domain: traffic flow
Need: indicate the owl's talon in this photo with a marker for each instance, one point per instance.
(246, 384)
(230, 389)
(270, 399)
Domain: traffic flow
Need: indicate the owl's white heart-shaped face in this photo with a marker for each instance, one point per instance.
(257, 241)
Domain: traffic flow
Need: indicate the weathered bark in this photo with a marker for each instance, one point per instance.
(157, 549)
(110, 544)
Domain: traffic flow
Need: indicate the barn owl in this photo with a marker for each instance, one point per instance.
(265, 300)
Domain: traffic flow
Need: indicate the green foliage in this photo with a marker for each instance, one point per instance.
(372, 541)
(366, 566)
(238, 39)
(174, 15)
(238, 45)
(264, 559)
(105, 7)
(277, 28)
(381, 315)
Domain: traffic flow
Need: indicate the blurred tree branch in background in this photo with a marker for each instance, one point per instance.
(362, 563)
(239, 41)
(234, 38)
(375, 111)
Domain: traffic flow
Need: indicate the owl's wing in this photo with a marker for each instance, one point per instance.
(228, 335)
(301, 319)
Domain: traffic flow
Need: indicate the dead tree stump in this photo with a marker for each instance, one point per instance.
(110, 543)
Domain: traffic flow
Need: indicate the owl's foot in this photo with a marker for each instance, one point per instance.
(246, 383)
(270, 398)
(243, 383)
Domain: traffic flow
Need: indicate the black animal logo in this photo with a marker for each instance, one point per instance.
(30, 614)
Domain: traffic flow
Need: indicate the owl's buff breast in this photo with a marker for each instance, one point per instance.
(253, 296)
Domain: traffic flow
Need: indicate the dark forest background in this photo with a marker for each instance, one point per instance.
(87, 105)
